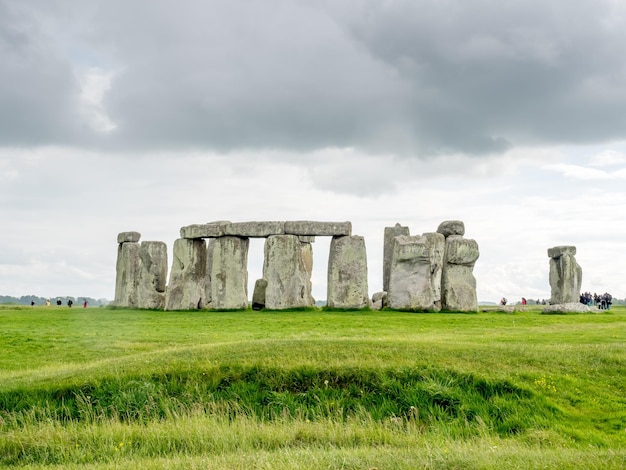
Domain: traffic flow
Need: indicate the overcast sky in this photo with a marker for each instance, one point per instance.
(149, 115)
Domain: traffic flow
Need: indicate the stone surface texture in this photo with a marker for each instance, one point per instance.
(227, 273)
(126, 237)
(458, 284)
(390, 234)
(410, 286)
(565, 275)
(210, 230)
(254, 229)
(437, 250)
(322, 229)
(451, 227)
(258, 295)
(187, 284)
(127, 274)
(152, 275)
(570, 307)
(347, 273)
(287, 269)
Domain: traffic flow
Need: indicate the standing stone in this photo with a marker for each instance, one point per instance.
(565, 275)
(437, 244)
(258, 296)
(228, 273)
(127, 270)
(152, 279)
(186, 289)
(347, 273)
(451, 227)
(208, 293)
(410, 281)
(390, 234)
(287, 269)
(458, 284)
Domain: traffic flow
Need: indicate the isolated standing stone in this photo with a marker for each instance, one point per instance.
(565, 275)
(228, 273)
(347, 273)
(390, 234)
(410, 285)
(152, 279)
(127, 271)
(458, 284)
(186, 289)
(287, 269)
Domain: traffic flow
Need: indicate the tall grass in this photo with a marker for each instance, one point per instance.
(311, 389)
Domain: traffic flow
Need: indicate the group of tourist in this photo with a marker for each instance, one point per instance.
(603, 302)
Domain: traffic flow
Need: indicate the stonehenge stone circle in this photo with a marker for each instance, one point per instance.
(187, 286)
(565, 275)
(431, 272)
(347, 273)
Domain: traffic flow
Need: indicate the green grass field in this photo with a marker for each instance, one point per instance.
(104, 388)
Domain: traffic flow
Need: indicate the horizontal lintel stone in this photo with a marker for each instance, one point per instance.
(559, 251)
(254, 229)
(321, 229)
(128, 237)
(210, 230)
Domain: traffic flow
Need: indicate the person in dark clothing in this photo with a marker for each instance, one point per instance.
(69, 303)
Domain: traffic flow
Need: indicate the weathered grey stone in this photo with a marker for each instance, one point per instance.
(186, 288)
(254, 229)
(128, 237)
(410, 286)
(127, 274)
(559, 251)
(390, 234)
(347, 273)
(570, 307)
(461, 250)
(210, 230)
(306, 238)
(208, 292)
(152, 276)
(287, 269)
(565, 275)
(458, 284)
(458, 288)
(437, 250)
(228, 273)
(322, 229)
(378, 296)
(378, 300)
(258, 296)
(451, 227)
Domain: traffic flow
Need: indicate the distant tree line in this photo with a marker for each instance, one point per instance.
(27, 299)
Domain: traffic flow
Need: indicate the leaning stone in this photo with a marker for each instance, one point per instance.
(127, 274)
(128, 237)
(322, 229)
(451, 227)
(152, 279)
(228, 273)
(461, 250)
(210, 230)
(287, 269)
(570, 307)
(390, 234)
(347, 273)
(254, 229)
(410, 286)
(258, 296)
(559, 251)
(186, 288)
(378, 296)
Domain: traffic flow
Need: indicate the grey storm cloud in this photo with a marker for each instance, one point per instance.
(414, 77)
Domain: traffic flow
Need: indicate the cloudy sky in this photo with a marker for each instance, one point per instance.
(149, 115)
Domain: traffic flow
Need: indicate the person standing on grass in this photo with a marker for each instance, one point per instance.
(85, 304)
(69, 303)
